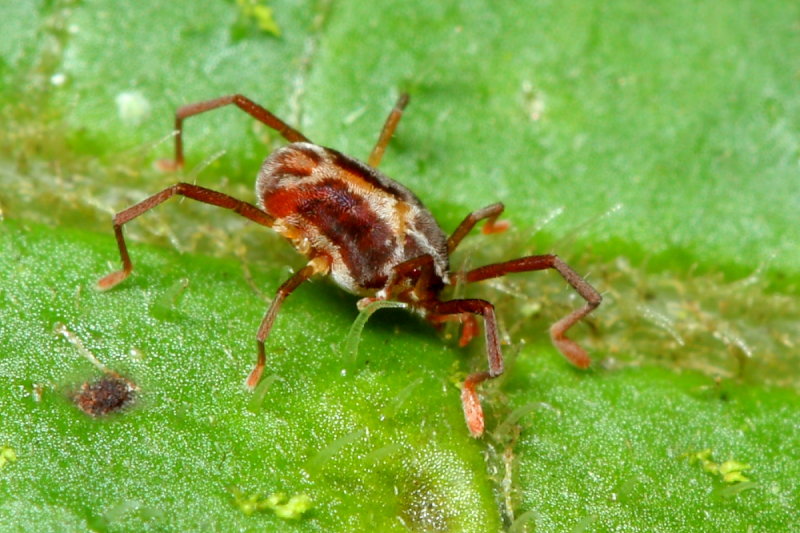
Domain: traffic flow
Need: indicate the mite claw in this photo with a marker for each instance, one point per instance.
(168, 165)
(473, 412)
(572, 351)
(254, 377)
(498, 226)
(111, 280)
(469, 328)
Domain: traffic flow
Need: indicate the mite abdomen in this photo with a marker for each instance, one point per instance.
(333, 205)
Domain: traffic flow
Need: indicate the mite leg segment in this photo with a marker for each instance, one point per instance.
(317, 265)
(388, 130)
(469, 325)
(195, 192)
(242, 102)
(469, 396)
(571, 350)
(490, 212)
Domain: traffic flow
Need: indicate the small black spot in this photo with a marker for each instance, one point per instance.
(104, 396)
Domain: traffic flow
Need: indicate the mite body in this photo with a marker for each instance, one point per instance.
(333, 206)
(373, 236)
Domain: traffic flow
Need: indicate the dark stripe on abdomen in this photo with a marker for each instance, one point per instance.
(364, 241)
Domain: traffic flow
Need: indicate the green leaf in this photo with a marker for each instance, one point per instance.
(653, 145)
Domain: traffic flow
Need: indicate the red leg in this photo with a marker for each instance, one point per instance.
(315, 266)
(469, 396)
(194, 192)
(571, 350)
(469, 325)
(388, 130)
(469, 328)
(490, 212)
(242, 102)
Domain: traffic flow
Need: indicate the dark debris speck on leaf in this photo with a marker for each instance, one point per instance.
(104, 396)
